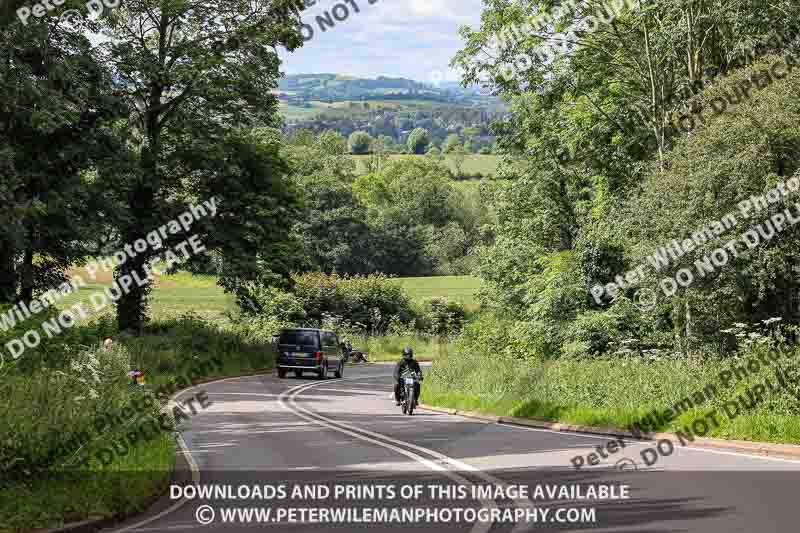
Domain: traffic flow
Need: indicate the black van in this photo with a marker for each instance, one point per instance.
(309, 350)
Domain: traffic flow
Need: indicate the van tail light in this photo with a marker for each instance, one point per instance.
(318, 355)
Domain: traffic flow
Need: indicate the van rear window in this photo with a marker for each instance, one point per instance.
(300, 338)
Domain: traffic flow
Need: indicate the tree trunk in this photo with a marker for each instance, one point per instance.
(26, 289)
(567, 217)
(8, 275)
(132, 305)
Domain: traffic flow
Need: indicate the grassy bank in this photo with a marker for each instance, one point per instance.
(45, 410)
(613, 392)
(390, 347)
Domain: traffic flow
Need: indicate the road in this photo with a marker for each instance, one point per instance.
(347, 435)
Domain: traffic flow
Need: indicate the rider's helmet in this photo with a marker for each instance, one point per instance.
(408, 353)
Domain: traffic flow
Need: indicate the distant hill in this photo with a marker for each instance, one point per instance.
(326, 87)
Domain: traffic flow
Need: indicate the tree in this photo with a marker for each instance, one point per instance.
(176, 64)
(388, 143)
(332, 142)
(251, 231)
(458, 156)
(379, 155)
(450, 142)
(418, 141)
(434, 153)
(359, 142)
(736, 155)
(416, 191)
(56, 104)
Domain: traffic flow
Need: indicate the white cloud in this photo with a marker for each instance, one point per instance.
(409, 38)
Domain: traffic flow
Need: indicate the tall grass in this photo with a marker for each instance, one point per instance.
(613, 391)
(55, 399)
(390, 347)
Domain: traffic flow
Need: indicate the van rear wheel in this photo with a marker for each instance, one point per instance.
(298, 373)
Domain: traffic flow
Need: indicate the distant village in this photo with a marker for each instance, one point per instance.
(389, 108)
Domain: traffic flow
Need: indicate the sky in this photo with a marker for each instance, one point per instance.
(413, 39)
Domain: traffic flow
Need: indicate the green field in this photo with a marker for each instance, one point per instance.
(473, 164)
(184, 293)
(172, 297)
(348, 108)
(460, 288)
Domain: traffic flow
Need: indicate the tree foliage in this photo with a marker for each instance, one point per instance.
(418, 141)
(359, 142)
(615, 145)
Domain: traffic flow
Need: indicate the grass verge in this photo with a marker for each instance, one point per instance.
(390, 347)
(48, 409)
(618, 392)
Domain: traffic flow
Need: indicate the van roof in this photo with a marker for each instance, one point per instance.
(307, 329)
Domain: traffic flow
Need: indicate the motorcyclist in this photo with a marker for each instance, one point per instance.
(406, 364)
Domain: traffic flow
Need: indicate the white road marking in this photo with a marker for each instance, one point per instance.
(385, 440)
(326, 422)
(242, 394)
(353, 391)
(177, 505)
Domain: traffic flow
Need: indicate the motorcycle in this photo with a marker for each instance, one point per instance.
(408, 400)
(346, 353)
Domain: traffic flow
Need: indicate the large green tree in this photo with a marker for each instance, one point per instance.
(418, 141)
(55, 97)
(589, 122)
(191, 71)
(359, 142)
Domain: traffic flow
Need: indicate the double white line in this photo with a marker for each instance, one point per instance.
(448, 466)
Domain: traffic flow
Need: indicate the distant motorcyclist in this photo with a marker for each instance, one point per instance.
(405, 365)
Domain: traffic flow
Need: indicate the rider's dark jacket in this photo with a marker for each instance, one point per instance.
(403, 365)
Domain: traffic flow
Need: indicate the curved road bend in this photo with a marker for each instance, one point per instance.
(261, 430)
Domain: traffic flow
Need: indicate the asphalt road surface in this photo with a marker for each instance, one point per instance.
(345, 447)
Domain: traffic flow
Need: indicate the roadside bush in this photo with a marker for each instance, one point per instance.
(622, 329)
(442, 317)
(490, 333)
(53, 351)
(177, 345)
(45, 414)
(370, 300)
(553, 298)
(616, 390)
(481, 375)
(272, 303)
(594, 331)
